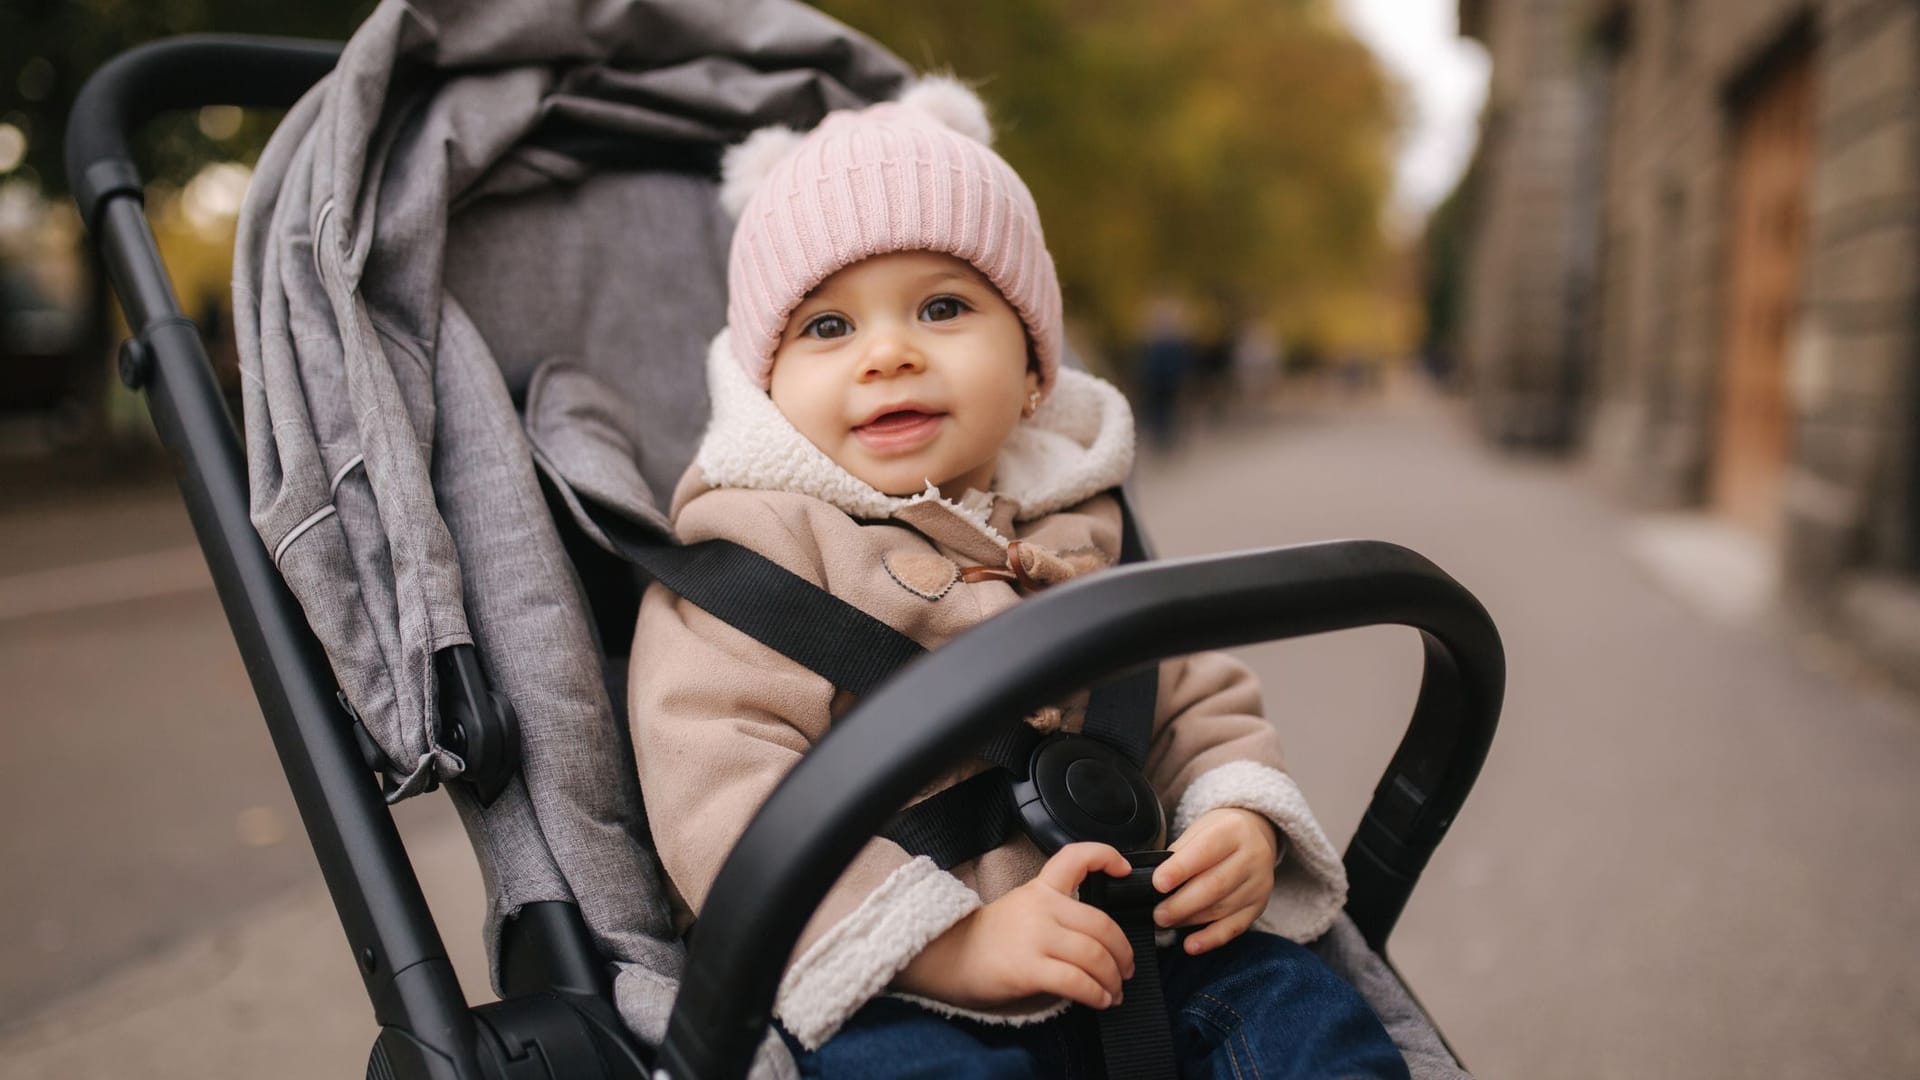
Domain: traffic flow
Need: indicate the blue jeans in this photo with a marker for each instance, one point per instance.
(1260, 1006)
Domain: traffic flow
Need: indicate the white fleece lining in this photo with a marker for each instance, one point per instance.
(1077, 445)
(856, 959)
(955, 1012)
(1310, 883)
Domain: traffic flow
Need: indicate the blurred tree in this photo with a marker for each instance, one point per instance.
(1234, 151)
(48, 48)
(1444, 252)
(1231, 151)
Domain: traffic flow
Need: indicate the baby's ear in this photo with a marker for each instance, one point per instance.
(953, 103)
(746, 164)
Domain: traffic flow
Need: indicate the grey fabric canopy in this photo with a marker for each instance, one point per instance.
(389, 311)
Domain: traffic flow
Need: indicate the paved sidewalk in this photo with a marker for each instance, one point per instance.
(1692, 851)
(273, 994)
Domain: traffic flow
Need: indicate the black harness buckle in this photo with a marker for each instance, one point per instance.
(1079, 788)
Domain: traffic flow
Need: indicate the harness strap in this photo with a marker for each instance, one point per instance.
(1011, 749)
(1136, 1036)
(769, 603)
(1120, 712)
(960, 822)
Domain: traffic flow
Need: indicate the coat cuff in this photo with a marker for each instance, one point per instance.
(1310, 884)
(860, 954)
(1010, 1018)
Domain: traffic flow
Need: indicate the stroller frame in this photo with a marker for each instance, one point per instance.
(556, 1019)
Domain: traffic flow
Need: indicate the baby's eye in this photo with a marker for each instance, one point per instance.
(826, 327)
(942, 308)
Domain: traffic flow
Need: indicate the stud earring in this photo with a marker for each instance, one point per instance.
(1033, 404)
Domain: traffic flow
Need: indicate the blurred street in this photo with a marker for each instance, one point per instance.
(1691, 853)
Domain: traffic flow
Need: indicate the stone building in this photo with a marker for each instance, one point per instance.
(1743, 231)
(1531, 209)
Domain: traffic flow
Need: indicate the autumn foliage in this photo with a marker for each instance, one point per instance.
(1233, 152)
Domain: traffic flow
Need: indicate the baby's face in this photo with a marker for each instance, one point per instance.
(905, 368)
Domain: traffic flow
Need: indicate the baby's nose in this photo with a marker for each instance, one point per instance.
(892, 354)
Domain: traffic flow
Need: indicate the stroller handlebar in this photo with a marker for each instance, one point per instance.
(938, 709)
(177, 73)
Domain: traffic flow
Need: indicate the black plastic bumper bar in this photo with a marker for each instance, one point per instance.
(942, 707)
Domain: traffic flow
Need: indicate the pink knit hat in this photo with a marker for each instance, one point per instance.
(907, 175)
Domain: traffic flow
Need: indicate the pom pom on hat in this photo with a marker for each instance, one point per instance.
(951, 102)
(744, 166)
(944, 98)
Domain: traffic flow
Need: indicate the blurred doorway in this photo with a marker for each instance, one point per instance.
(1772, 158)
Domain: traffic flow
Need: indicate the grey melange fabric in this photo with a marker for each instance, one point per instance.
(382, 341)
(451, 224)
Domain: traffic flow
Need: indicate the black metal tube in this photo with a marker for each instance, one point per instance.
(365, 865)
(394, 940)
(179, 73)
(941, 707)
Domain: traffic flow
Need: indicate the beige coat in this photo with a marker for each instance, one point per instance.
(719, 718)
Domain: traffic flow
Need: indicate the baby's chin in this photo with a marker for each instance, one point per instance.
(898, 483)
(901, 489)
(904, 476)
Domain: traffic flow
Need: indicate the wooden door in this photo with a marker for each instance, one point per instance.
(1772, 156)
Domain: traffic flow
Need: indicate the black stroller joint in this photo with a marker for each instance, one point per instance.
(476, 723)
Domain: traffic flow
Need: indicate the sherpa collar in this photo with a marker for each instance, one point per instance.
(1079, 444)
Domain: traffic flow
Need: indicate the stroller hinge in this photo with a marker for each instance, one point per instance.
(475, 723)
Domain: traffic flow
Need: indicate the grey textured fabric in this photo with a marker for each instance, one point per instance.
(639, 332)
(574, 421)
(585, 799)
(1346, 952)
(390, 477)
(344, 248)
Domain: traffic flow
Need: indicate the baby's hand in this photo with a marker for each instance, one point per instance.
(1035, 941)
(1220, 875)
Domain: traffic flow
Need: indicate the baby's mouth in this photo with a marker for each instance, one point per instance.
(902, 429)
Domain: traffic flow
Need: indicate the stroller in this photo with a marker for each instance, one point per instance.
(457, 395)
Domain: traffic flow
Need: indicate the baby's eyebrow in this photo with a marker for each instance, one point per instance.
(934, 277)
(931, 277)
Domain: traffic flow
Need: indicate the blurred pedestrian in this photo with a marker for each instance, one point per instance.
(1166, 358)
(1256, 360)
(1213, 374)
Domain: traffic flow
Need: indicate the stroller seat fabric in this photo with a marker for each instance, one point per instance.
(476, 274)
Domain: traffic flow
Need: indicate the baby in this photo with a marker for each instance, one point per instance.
(891, 422)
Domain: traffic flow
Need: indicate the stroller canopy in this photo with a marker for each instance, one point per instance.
(397, 314)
